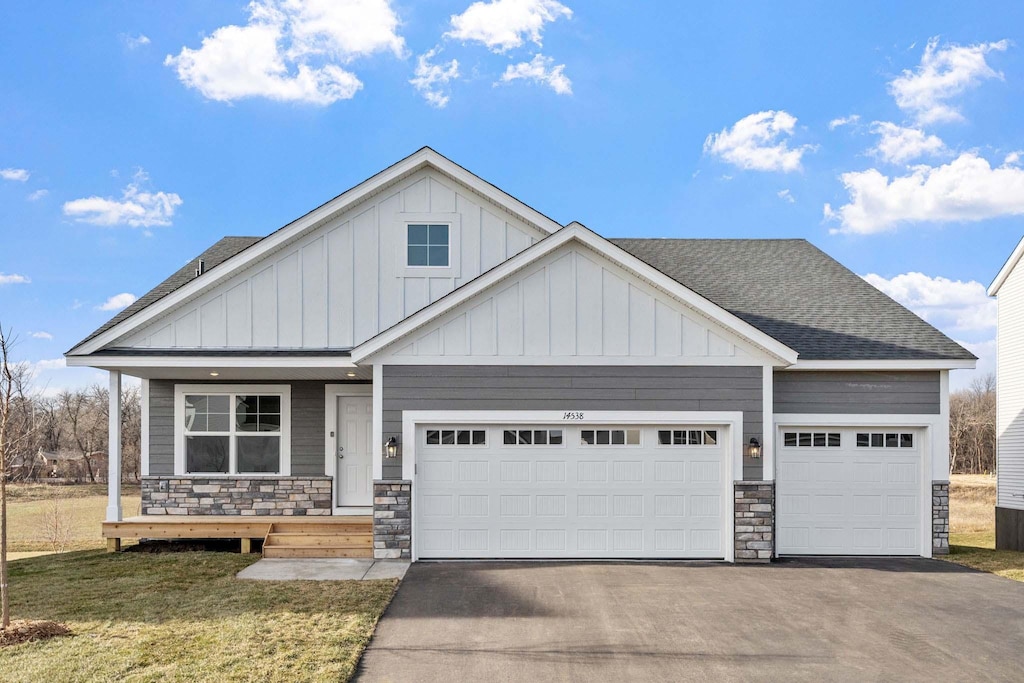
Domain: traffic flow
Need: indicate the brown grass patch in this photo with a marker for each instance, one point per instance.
(25, 631)
(972, 501)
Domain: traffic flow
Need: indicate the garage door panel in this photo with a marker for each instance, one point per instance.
(848, 499)
(576, 500)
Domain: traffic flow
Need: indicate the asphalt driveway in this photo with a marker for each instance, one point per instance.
(814, 620)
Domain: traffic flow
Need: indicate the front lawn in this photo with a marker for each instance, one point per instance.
(972, 499)
(184, 617)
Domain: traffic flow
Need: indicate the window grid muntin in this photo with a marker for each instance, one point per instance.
(687, 437)
(456, 436)
(202, 399)
(428, 245)
(812, 439)
(888, 440)
(519, 437)
(625, 437)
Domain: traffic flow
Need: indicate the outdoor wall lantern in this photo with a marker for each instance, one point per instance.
(754, 449)
(391, 448)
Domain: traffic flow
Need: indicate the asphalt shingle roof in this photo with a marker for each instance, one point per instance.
(789, 289)
(799, 295)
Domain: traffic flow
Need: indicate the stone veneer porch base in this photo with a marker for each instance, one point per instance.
(236, 495)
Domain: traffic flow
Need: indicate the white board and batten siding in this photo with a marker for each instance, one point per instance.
(1010, 391)
(574, 303)
(344, 282)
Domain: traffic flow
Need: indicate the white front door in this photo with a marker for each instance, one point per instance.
(353, 479)
(848, 491)
(571, 491)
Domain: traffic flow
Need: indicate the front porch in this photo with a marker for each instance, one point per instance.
(326, 536)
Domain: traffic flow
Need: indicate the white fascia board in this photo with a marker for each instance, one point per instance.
(1007, 268)
(855, 420)
(156, 361)
(425, 157)
(580, 233)
(884, 365)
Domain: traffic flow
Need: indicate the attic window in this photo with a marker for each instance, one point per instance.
(428, 245)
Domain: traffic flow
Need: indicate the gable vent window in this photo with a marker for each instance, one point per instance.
(610, 437)
(812, 439)
(456, 437)
(687, 437)
(533, 437)
(885, 440)
(428, 245)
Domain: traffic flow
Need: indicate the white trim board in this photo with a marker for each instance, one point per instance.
(881, 365)
(1004, 272)
(732, 420)
(331, 394)
(422, 158)
(780, 353)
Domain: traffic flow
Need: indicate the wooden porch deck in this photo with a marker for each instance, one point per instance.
(291, 536)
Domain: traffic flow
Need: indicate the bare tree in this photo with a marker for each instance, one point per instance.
(7, 441)
(972, 427)
(85, 424)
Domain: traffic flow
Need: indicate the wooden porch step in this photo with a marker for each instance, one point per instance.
(313, 552)
(324, 528)
(364, 540)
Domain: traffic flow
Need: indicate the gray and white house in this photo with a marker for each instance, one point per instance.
(1008, 288)
(432, 355)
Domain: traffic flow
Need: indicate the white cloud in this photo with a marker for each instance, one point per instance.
(13, 279)
(50, 364)
(117, 302)
(136, 207)
(430, 78)
(952, 305)
(41, 335)
(133, 42)
(965, 189)
(944, 73)
(540, 69)
(505, 24)
(786, 196)
(843, 121)
(899, 145)
(758, 143)
(37, 195)
(19, 175)
(291, 50)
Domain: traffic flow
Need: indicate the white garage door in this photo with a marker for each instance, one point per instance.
(580, 491)
(843, 491)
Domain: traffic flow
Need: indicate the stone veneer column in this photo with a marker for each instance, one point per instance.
(940, 518)
(392, 519)
(755, 521)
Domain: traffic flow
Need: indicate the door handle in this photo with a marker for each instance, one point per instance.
(340, 452)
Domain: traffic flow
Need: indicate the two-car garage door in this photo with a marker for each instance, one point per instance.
(571, 491)
(849, 491)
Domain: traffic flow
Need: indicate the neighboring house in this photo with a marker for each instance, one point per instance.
(70, 465)
(1008, 288)
(482, 382)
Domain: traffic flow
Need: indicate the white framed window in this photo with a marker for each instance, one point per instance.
(451, 436)
(609, 437)
(534, 437)
(226, 430)
(812, 439)
(885, 440)
(428, 245)
(687, 437)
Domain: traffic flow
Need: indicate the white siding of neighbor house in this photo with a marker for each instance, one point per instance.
(344, 282)
(572, 303)
(1010, 391)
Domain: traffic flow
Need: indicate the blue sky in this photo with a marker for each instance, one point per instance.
(135, 134)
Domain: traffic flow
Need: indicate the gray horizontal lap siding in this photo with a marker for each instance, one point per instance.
(307, 427)
(870, 393)
(585, 387)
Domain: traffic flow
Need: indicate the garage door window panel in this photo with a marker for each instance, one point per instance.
(456, 437)
(687, 437)
(610, 437)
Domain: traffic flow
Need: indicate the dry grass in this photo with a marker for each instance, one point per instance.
(184, 617)
(972, 500)
(25, 493)
(27, 518)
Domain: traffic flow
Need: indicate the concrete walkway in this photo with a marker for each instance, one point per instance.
(340, 569)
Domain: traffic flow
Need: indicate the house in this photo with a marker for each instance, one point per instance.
(1008, 288)
(71, 465)
(430, 355)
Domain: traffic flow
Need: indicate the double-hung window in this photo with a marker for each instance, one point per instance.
(229, 430)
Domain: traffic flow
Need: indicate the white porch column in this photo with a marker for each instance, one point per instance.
(114, 449)
(768, 422)
(378, 422)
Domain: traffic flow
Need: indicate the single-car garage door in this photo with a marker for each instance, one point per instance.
(848, 491)
(579, 491)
